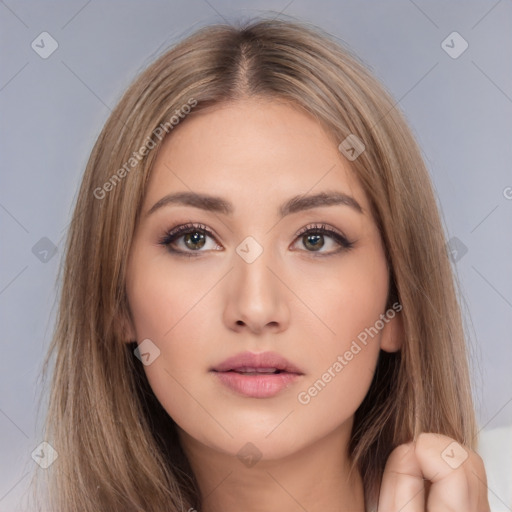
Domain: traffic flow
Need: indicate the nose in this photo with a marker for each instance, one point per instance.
(257, 298)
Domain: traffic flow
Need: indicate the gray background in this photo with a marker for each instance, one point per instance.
(53, 109)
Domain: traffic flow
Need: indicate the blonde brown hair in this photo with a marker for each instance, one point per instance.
(117, 446)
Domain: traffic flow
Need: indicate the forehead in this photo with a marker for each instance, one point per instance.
(252, 151)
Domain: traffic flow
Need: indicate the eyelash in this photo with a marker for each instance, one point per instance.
(317, 229)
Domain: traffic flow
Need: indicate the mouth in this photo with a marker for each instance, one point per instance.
(257, 371)
(263, 362)
(261, 375)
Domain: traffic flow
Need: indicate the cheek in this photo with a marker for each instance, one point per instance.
(162, 295)
(173, 310)
(347, 297)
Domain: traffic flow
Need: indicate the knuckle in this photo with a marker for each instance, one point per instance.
(400, 452)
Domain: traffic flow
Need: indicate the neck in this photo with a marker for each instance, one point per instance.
(316, 478)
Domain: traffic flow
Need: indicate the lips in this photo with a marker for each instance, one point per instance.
(261, 375)
(246, 370)
(265, 362)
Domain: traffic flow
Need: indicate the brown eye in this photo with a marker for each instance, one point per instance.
(194, 240)
(313, 241)
(189, 239)
(315, 238)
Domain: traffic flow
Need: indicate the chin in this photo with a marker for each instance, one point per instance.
(268, 439)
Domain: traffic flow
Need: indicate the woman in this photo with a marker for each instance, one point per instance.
(258, 311)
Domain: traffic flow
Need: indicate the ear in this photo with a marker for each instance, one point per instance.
(393, 334)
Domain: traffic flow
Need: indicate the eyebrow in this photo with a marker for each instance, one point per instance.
(293, 205)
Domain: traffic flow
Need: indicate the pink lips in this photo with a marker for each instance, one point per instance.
(260, 375)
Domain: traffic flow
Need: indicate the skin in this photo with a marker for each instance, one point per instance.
(307, 305)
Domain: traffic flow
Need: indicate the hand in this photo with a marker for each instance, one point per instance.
(433, 474)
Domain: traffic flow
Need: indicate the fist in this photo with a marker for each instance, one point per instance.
(433, 474)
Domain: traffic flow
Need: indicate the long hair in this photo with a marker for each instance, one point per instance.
(117, 446)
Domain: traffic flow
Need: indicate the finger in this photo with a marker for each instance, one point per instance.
(456, 473)
(403, 486)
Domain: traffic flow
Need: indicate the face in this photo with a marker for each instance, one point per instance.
(264, 315)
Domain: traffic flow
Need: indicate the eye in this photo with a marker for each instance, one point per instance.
(314, 239)
(189, 238)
